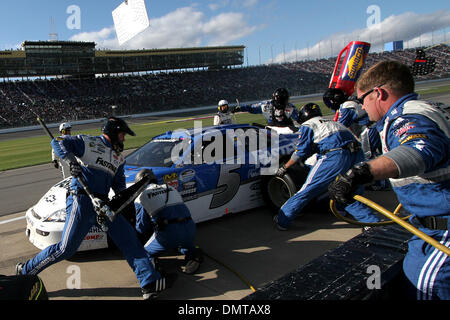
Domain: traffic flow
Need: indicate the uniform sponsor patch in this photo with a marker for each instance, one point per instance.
(403, 129)
(413, 136)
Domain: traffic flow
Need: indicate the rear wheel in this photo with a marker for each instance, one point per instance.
(277, 190)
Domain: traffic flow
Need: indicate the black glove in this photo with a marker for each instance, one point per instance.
(56, 164)
(343, 188)
(236, 109)
(75, 169)
(281, 171)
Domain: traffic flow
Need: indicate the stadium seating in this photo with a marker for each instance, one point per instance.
(68, 99)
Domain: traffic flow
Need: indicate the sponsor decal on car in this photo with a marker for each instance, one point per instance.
(187, 175)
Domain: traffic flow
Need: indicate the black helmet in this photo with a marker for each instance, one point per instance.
(280, 98)
(112, 127)
(308, 111)
(333, 98)
(146, 173)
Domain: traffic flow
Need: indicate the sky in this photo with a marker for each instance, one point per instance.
(271, 30)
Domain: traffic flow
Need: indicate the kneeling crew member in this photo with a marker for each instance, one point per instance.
(161, 207)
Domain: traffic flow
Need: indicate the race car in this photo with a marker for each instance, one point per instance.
(218, 170)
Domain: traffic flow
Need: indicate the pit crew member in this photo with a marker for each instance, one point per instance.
(416, 148)
(161, 208)
(100, 162)
(224, 115)
(65, 128)
(277, 111)
(337, 149)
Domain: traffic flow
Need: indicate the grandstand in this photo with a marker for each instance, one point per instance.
(80, 59)
(80, 98)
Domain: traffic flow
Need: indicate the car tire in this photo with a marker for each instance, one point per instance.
(277, 190)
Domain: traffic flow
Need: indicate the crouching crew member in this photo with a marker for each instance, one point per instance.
(337, 149)
(161, 207)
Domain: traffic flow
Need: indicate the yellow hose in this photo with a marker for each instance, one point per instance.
(232, 270)
(359, 223)
(396, 219)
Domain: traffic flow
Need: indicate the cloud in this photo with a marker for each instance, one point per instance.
(412, 28)
(183, 27)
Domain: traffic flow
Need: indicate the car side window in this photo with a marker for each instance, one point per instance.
(216, 150)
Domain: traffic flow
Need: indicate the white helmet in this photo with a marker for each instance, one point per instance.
(221, 104)
(64, 126)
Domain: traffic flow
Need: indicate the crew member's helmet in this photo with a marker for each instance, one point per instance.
(280, 98)
(65, 127)
(112, 127)
(223, 106)
(308, 111)
(333, 98)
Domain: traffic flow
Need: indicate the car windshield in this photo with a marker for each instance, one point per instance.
(156, 153)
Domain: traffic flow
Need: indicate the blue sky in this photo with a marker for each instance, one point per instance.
(272, 30)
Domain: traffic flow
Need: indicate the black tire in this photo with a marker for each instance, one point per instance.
(276, 191)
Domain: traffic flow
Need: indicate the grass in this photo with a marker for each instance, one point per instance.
(31, 151)
(436, 90)
(23, 152)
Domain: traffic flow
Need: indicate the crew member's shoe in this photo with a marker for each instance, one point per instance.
(151, 290)
(19, 268)
(192, 265)
(275, 220)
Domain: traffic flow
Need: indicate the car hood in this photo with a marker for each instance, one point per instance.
(53, 201)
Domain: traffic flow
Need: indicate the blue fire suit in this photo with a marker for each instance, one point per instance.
(415, 135)
(102, 169)
(274, 117)
(163, 207)
(331, 140)
(356, 119)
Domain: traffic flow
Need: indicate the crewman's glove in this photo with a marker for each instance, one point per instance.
(56, 164)
(343, 188)
(102, 209)
(75, 169)
(281, 171)
(236, 109)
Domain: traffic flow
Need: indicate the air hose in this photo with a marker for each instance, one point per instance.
(394, 218)
(232, 270)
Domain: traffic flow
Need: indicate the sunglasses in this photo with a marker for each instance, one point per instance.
(360, 100)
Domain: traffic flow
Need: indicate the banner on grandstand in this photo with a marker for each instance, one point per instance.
(130, 19)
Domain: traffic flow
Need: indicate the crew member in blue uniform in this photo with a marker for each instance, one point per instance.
(161, 208)
(351, 115)
(277, 111)
(99, 161)
(416, 148)
(337, 149)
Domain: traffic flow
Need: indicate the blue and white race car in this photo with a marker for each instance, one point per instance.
(218, 170)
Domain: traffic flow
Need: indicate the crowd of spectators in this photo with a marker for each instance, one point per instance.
(70, 99)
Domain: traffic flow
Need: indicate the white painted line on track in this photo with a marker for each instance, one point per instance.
(12, 220)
